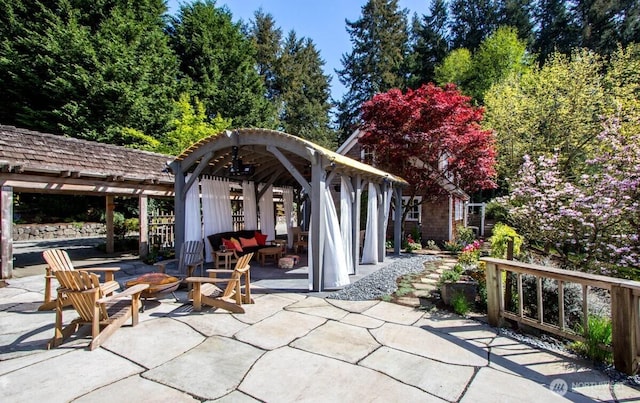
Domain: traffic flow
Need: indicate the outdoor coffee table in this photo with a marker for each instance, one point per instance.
(272, 252)
(159, 283)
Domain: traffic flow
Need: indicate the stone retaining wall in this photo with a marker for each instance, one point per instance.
(28, 232)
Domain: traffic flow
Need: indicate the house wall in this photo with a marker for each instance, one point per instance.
(435, 220)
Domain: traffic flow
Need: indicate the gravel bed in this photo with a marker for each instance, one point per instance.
(382, 282)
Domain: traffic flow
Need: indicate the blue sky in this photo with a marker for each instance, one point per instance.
(323, 21)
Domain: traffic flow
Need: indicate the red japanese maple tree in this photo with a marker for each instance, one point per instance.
(430, 136)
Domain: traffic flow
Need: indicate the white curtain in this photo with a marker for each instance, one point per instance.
(267, 223)
(249, 205)
(216, 209)
(387, 206)
(192, 220)
(287, 199)
(335, 272)
(346, 214)
(370, 249)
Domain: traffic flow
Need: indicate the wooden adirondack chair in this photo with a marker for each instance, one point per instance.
(191, 257)
(105, 314)
(206, 292)
(58, 260)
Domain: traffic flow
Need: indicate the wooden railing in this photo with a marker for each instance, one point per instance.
(625, 299)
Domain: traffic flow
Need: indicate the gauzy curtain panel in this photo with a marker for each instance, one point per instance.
(387, 206)
(216, 209)
(249, 205)
(336, 273)
(192, 220)
(370, 249)
(346, 214)
(287, 199)
(267, 223)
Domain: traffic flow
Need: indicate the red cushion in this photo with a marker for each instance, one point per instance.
(230, 245)
(248, 242)
(262, 239)
(237, 245)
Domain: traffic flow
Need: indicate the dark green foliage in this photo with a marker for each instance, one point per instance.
(558, 31)
(87, 69)
(472, 21)
(430, 43)
(597, 336)
(217, 65)
(377, 61)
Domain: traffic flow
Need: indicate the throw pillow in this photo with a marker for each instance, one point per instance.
(237, 244)
(261, 238)
(247, 242)
(228, 244)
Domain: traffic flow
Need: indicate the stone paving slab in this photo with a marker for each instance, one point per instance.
(213, 322)
(422, 342)
(356, 319)
(353, 306)
(136, 389)
(394, 313)
(319, 307)
(153, 343)
(209, 371)
(235, 397)
(279, 329)
(338, 340)
(58, 378)
(313, 378)
(437, 378)
(269, 305)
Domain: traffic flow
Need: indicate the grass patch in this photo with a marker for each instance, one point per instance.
(460, 304)
(597, 336)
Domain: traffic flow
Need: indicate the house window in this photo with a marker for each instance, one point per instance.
(414, 212)
(459, 210)
(366, 156)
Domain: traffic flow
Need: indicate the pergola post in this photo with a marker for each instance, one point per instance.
(6, 232)
(397, 222)
(109, 209)
(355, 223)
(318, 183)
(382, 229)
(179, 204)
(143, 242)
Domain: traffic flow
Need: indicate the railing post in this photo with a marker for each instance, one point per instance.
(624, 318)
(494, 293)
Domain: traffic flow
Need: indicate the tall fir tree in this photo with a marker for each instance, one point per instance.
(557, 31)
(377, 61)
(605, 24)
(430, 43)
(217, 65)
(87, 69)
(471, 21)
(304, 91)
(518, 14)
(266, 38)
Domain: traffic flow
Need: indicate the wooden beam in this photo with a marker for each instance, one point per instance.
(143, 243)
(356, 183)
(6, 232)
(270, 182)
(397, 223)
(317, 225)
(179, 205)
(110, 207)
(289, 167)
(204, 162)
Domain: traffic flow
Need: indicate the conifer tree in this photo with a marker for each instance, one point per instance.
(429, 43)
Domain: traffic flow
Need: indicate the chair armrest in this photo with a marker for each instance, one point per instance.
(161, 265)
(136, 289)
(220, 270)
(212, 280)
(102, 269)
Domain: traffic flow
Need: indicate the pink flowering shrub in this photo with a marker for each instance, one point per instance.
(592, 221)
(470, 254)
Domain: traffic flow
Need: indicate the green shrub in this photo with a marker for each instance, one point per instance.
(460, 304)
(597, 335)
(411, 246)
(496, 211)
(449, 276)
(502, 234)
(452, 246)
(465, 235)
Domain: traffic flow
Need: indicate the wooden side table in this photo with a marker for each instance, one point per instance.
(274, 252)
(281, 243)
(222, 259)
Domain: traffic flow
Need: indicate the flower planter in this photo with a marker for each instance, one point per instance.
(468, 288)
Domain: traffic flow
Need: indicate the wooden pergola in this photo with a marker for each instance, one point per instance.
(36, 162)
(281, 159)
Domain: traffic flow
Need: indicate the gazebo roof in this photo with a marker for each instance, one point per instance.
(255, 148)
(41, 162)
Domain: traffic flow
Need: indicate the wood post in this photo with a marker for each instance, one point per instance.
(143, 242)
(110, 206)
(397, 223)
(316, 241)
(6, 232)
(624, 317)
(494, 293)
(355, 221)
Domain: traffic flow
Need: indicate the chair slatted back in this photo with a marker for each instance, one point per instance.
(190, 253)
(83, 290)
(58, 259)
(242, 266)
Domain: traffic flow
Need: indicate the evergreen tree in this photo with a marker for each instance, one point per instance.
(377, 61)
(472, 21)
(267, 39)
(304, 91)
(430, 43)
(86, 69)
(217, 65)
(557, 32)
(605, 24)
(517, 14)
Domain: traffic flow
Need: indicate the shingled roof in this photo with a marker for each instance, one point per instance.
(27, 153)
